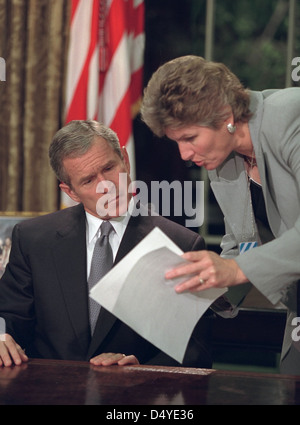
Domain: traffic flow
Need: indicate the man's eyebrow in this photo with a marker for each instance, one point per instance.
(109, 163)
(85, 178)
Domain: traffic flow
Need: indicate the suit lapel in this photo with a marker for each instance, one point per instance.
(70, 259)
(136, 230)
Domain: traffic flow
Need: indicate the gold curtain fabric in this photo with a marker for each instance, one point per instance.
(33, 41)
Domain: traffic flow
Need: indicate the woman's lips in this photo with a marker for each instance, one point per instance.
(199, 163)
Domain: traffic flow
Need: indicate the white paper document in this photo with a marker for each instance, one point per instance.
(136, 292)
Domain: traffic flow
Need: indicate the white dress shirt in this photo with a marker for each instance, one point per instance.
(93, 232)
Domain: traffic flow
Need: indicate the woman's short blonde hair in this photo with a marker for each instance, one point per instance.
(190, 90)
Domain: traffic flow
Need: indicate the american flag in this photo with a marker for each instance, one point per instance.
(105, 66)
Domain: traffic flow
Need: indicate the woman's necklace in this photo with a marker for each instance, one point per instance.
(252, 169)
(251, 161)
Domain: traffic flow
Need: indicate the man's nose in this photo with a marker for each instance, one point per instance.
(105, 186)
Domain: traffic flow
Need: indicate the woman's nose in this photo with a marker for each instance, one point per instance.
(186, 152)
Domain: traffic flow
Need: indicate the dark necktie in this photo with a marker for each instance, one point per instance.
(102, 262)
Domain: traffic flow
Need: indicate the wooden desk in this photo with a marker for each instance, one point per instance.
(44, 382)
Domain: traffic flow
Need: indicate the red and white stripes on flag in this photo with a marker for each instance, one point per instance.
(105, 65)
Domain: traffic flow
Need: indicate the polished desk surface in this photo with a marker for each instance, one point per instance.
(54, 382)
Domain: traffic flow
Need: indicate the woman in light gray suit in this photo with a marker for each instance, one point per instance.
(250, 144)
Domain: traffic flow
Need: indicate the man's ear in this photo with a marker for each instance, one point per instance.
(66, 188)
(126, 159)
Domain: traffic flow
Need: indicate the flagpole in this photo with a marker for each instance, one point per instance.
(209, 29)
(208, 54)
(290, 42)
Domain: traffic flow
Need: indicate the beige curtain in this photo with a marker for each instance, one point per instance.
(33, 42)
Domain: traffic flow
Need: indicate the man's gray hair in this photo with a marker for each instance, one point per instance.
(74, 140)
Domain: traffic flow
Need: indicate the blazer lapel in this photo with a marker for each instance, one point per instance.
(233, 186)
(255, 128)
(70, 259)
(276, 223)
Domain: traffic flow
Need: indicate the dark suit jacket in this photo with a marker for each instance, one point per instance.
(44, 295)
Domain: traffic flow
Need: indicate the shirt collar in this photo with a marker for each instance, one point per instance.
(119, 223)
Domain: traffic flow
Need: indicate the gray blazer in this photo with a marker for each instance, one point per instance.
(273, 268)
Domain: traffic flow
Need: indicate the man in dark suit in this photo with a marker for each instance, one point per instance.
(44, 293)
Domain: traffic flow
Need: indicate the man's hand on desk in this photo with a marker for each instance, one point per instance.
(10, 351)
(108, 359)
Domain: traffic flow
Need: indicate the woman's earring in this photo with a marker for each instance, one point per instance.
(231, 128)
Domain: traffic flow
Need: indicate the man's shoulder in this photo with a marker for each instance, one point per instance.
(49, 221)
(184, 237)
